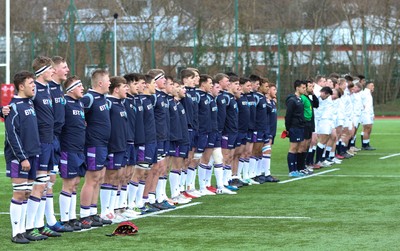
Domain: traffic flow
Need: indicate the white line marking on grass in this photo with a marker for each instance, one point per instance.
(309, 176)
(389, 156)
(361, 176)
(151, 214)
(233, 217)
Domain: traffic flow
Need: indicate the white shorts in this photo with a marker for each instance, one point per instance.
(348, 123)
(339, 122)
(356, 120)
(325, 126)
(367, 119)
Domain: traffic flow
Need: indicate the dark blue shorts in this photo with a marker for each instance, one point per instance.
(57, 152)
(116, 161)
(214, 140)
(162, 148)
(262, 137)
(183, 151)
(202, 142)
(173, 148)
(13, 169)
(228, 140)
(96, 157)
(146, 153)
(130, 155)
(296, 134)
(72, 165)
(241, 139)
(252, 136)
(46, 158)
(192, 138)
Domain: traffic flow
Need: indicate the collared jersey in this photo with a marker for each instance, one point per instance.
(57, 96)
(195, 99)
(21, 130)
(97, 117)
(44, 112)
(72, 137)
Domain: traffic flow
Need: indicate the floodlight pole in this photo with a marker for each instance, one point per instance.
(115, 43)
(8, 52)
(236, 36)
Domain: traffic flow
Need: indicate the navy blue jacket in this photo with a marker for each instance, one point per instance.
(57, 96)
(22, 135)
(44, 112)
(72, 137)
(97, 117)
(294, 117)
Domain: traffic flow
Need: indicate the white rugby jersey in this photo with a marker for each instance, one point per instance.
(368, 102)
(358, 107)
(325, 109)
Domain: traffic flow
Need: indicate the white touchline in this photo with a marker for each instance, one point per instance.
(232, 217)
(309, 176)
(389, 156)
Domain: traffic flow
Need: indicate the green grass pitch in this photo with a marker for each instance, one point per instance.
(352, 206)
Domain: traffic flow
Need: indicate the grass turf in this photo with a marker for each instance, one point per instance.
(354, 208)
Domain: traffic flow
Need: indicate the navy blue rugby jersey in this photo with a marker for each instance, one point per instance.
(21, 131)
(72, 137)
(161, 115)
(130, 108)
(44, 112)
(139, 123)
(119, 125)
(204, 111)
(231, 121)
(57, 96)
(261, 112)
(97, 117)
(252, 104)
(175, 133)
(149, 119)
(244, 114)
(183, 124)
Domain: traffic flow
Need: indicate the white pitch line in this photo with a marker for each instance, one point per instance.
(231, 217)
(309, 176)
(389, 156)
(361, 176)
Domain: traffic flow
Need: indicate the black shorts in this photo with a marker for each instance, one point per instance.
(308, 130)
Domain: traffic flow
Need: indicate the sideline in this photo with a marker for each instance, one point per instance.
(309, 176)
(232, 217)
(389, 156)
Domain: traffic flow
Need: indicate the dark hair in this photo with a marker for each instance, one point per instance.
(326, 90)
(298, 83)
(254, 78)
(361, 77)
(169, 77)
(334, 75)
(231, 74)
(186, 73)
(20, 77)
(348, 78)
(233, 78)
(204, 78)
(116, 82)
(243, 80)
(148, 78)
(131, 77)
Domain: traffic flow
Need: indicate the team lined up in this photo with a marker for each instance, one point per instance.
(127, 136)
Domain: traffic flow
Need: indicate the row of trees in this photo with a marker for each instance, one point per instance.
(283, 40)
